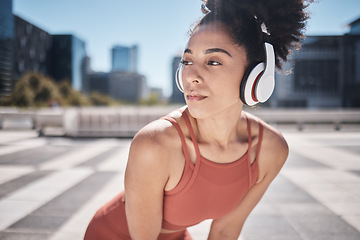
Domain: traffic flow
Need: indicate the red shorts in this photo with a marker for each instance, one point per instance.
(109, 223)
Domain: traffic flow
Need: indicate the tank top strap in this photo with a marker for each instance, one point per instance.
(261, 130)
(254, 165)
(249, 132)
(260, 137)
(182, 137)
(192, 134)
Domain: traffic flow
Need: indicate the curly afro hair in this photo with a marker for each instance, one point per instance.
(285, 21)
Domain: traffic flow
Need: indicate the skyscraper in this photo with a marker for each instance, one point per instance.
(124, 59)
(128, 86)
(31, 49)
(68, 56)
(6, 46)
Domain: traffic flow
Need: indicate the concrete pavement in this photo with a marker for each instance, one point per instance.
(51, 186)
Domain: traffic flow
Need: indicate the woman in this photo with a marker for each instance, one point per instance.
(210, 159)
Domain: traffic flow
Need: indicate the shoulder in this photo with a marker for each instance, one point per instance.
(154, 142)
(274, 148)
(272, 138)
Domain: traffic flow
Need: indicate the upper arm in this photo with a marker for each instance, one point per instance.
(145, 178)
(272, 156)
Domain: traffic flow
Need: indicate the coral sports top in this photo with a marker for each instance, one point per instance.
(208, 190)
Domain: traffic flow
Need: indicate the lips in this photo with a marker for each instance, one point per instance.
(195, 97)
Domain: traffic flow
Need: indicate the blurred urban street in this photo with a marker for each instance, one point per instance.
(50, 186)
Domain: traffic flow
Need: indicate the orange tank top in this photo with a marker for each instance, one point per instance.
(208, 190)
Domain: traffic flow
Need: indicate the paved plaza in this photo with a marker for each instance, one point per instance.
(50, 187)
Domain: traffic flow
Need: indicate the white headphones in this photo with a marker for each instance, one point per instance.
(178, 77)
(258, 82)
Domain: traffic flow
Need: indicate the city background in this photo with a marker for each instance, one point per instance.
(324, 74)
(79, 78)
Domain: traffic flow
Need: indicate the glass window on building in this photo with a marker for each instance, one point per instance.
(317, 76)
(6, 46)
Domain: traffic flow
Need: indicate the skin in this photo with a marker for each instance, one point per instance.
(213, 69)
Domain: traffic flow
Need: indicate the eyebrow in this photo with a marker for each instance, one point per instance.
(211, 50)
(217, 50)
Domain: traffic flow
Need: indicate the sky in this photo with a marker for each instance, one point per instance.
(159, 27)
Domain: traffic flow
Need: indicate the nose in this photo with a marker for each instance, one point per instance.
(191, 75)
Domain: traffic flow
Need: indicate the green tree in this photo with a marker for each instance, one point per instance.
(34, 82)
(36, 90)
(46, 93)
(152, 100)
(69, 96)
(98, 99)
(22, 95)
(65, 88)
(33, 90)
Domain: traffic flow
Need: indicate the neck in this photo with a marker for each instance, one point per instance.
(222, 128)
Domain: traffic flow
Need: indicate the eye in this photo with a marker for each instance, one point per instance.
(213, 63)
(185, 62)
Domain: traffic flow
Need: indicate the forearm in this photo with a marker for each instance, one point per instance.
(223, 233)
(222, 236)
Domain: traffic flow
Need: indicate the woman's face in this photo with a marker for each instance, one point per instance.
(213, 67)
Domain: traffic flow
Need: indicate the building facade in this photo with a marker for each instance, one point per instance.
(316, 75)
(68, 56)
(99, 82)
(125, 83)
(351, 97)
(128, 86)
(32, 47)
(6, 47)
(325, 73)
(177, 96)
(25, 47)
(124, 59)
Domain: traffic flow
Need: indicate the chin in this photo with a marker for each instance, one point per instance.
(199, 112)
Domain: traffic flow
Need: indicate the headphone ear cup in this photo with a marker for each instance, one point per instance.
(178, 78)
(264, 87)
(248, 83)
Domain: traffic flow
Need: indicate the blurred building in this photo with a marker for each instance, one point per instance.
(68, 56)
(177, 96)
(32, 47)
(86, 70)
(316, 78)
(124, 59)
(124, 81)
(351, 96)
(99, 82)
(158, 93)
(325, 73)
(128, 86)
(25, 47)
(6, 47)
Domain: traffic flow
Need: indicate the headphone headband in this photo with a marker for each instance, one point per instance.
(266, 84)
